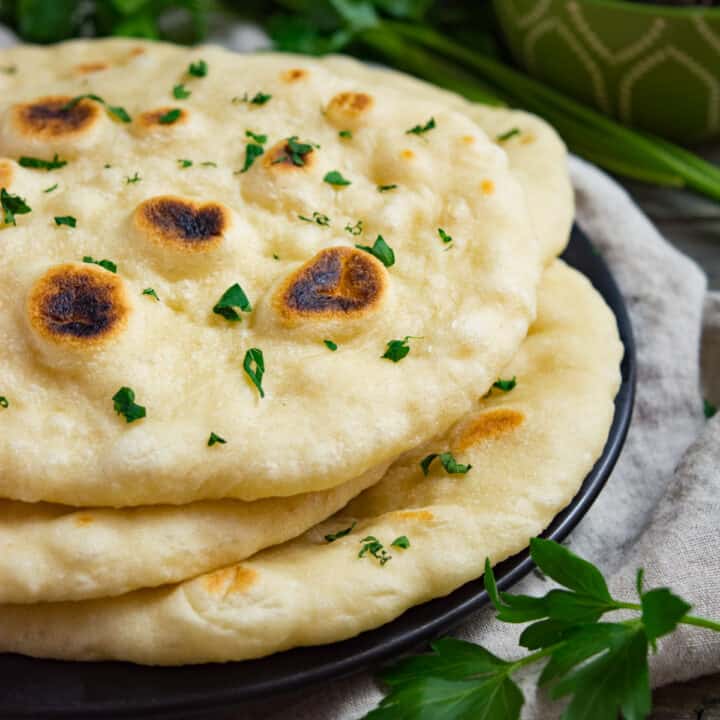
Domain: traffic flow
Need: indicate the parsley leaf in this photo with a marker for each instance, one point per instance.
(332, 537)
(254, 366)
(170, 117)
(215, 439)
(421, 129)
(259, 139)
(401, 542)
(336, 179)
(260, 98)
(355, 229)
(709, 409)
(180, 92)
(233, 297)
(109, 265)
(124, 403)
(317, 218)
(381, 250)
(447, 460)
(397, 349)
(51, 188)
(346, 134)
(661, 612)
(505, 385)
(4, 402)
(134, 179)
(198, 69)
(507, 135)
(12, 205)
(444, 236)
(184, 163)
(151, 293)
(375, 548)
(68, 220)
(385, 188)
(295, 151)
(331, 345)
(252, 152)
(33, 162)
(114, 110)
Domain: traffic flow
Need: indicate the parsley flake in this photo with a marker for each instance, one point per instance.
(381, 250)
(109, 265)
(421, 129)
(233, 297)
(170, 117)
(8, 69)
(444, 236)
(401, 542)
(151, 293)
(125, 405)
(505, 385)
(208, 163)
(386, 188)
(4, 402)
(346, 134)
(183, 163)
(447, 460)
(252, 153)
(12, 205)
(332, 537)
(180, 92)
(37, 163)
(331, 345)
(375, 548)
(51, 188)
(507, 135)
(113, 110)
(336, 179)
(198, 69)
(254, 366)
(260, 98)
(215, 439)
(355, 229)
(68, 220)
(398, 349)
(317, 218)
(295, 151)
(709, 409)
(134, 179)
(258, 138)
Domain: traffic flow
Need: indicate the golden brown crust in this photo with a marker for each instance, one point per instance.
(487, 426)
(294, 74)
(280, 158)
(151, 119)
(180, 224)
(338, 282)
(348, 107)
(7, 173)
(419, 515)
(78, 304)
(87, 68)
(53, 117)
(230, 580)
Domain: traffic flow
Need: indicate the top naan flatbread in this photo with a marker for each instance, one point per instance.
(72, 334)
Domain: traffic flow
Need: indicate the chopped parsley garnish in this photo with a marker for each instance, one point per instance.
(346, 134)
(183, 163)
(386, 188)
(114, 110)
(375, 548)
(151, 293)
(33, 162)
(447, 460)
(170, 117)
(401, 542)
(51, 188)
(260, 98)
(180, 92)
(254, 366)
(276, 256)
(381, 250)
(215, 439)
(709, 409)
(507, 135)
(331, 345)
(4, 402)
(252, 153)
(8, 69)
(208, 163)
(109, 265)
(295, 151)
(355, 229)
(317, 218)
(233, 297)
(198, 69)
(398, 349)
(125, 405)
(332, 537)
(505, 385)
(259, 139)
(336, 179)
(134, 179)
(444, 236)
(421, 129)
(12, 205)
(68, 220)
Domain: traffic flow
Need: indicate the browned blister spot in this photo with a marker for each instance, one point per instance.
(54, 117)
(488, 426)
(230, 580)
(80, 305)
(294, 74)
(150, 119)
(350, 105)
(181, 224)
(339, 282)
(87, 68)
(82, 520)
(487, 187)
(419, 515)
(280, 157)
(7, 173)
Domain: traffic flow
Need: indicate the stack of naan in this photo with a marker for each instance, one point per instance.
(285, 349)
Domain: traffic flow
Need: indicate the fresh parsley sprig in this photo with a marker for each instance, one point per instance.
(381, 250)
(600, 667)
(12, 205)
(40, 164)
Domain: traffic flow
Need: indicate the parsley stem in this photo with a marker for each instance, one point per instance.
(685, 620)
(534, 657)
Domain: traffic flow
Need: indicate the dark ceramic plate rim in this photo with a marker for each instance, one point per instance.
(52, 689)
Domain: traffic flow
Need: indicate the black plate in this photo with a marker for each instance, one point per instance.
(40, 689)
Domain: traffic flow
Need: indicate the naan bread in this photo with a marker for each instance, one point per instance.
(529, 448)
(73, 334)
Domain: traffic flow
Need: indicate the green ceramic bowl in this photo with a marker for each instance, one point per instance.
(650, 66)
